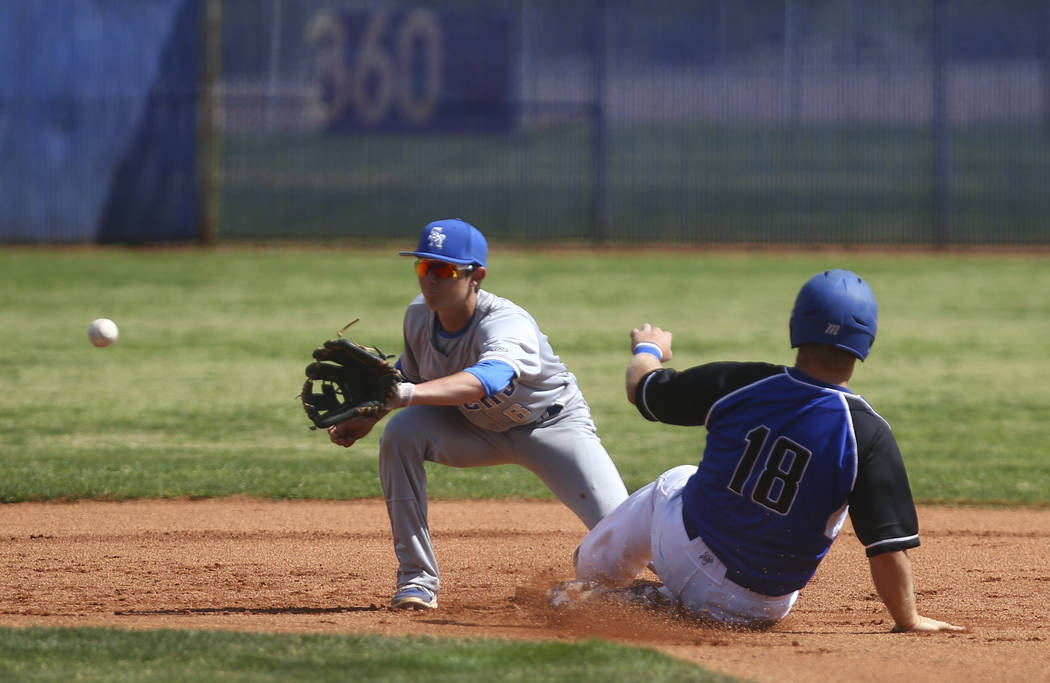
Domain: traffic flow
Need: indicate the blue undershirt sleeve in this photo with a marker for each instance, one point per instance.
(494, 375)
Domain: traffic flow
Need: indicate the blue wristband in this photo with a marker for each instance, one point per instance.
(648, 347)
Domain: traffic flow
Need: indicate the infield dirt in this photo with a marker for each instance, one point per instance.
(328, 567)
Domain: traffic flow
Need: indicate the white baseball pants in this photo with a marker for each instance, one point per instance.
(648, 527)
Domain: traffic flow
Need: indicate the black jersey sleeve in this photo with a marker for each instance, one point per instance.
(684, 398)
(880, 505)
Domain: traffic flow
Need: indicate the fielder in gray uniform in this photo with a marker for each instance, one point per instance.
(483, 388)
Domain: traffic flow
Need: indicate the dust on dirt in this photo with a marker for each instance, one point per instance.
(328, 567)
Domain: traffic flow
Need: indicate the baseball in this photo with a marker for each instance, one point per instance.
(103, 332)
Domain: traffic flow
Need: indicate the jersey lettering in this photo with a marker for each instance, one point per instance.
(516, 412)
(778, 485)
(756, 438)
(494, 400)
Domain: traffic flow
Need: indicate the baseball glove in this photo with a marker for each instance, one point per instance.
(347, 380)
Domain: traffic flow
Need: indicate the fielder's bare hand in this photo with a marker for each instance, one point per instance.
(347, 432)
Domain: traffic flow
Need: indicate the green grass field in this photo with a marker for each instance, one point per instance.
(194, 656)
(199, 396)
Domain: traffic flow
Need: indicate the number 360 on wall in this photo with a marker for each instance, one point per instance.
(390, 70)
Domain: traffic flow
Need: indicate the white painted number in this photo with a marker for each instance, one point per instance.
(376, 81)
(421, 29)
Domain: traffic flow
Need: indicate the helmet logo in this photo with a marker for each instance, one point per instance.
(436, 238)
(832, 329)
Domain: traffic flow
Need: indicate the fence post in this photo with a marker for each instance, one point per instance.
(273, 97)
(598, 142)
(941, 128)
(792, 61)
(1046, 62)
(208, 157)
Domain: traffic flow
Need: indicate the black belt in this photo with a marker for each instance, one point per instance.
(552, 411)
(690, 530)
(690, 526)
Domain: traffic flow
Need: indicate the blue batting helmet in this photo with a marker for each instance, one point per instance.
(837, 308)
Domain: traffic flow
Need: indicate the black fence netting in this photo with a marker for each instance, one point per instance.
(868, 122)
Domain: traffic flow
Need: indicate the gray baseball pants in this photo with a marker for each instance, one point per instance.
(563, 451)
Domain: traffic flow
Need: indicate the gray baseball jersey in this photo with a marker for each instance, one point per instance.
(500, 330)
(540, 421)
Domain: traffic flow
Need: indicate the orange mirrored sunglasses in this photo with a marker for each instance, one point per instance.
(441, 269)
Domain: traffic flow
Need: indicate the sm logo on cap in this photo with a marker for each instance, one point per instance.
(436, 238)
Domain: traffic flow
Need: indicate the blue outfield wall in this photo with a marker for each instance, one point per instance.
(922, 122)
(98, 112)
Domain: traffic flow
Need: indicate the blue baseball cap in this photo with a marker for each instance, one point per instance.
(453, 241)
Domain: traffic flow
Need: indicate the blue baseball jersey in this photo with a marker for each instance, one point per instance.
(787, 458)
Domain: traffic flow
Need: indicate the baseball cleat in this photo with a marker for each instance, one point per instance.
(573, 594)
(414, 597)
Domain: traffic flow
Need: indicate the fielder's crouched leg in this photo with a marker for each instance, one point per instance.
(402, 451)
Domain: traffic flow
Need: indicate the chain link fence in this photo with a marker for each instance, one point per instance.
(854, 122)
